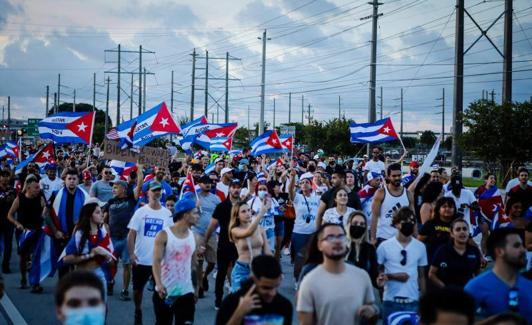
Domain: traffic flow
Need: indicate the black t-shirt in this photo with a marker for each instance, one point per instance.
(328, 198)
(353, 200)
(453, 268)
(7, 197)
(438, 233)
(280, 307)
(222, 213)
(120, 212)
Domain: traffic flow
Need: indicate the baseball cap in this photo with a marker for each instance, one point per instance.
(243, 161)
(372, 175)
(87, 175)
(414, 164)
(217, 160)
(50, 167)
(235, 182)
(184, 205)
(308, 175)
(226, 170)
(322, 165)
(154, 185)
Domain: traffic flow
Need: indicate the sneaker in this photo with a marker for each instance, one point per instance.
(138, 317)
(124, 295)
(214, 274)
(205, 283)
(36, 289)
(286, 251)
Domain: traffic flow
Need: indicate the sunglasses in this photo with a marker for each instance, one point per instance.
(108, 173)
(403, 260)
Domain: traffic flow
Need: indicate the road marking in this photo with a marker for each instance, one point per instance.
(12, 312)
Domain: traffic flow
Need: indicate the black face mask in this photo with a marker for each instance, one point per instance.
(279, 173)
(311, 168)
(407, 229)
(356, 231)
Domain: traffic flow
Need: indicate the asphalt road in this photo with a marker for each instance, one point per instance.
(40, 309)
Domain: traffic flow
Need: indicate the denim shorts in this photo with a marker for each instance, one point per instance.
(279, 228)
(121, 252)
(240, 273)
(299, 243)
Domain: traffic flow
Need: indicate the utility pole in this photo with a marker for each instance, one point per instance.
(172, 94)
(492, 93)
(47, 101)
(144, 100)
(248, 120)
(274, 112)
(131, 99)
(507, 65)
(3, 114)
(58, 90)
(302, 109)
(263, 82)
(458, 100)
(74, 104)
(339, 108)
(401, 113)
(193, 82)
(106, 128)
(207, 84)
(55, 103)
(118, 89)
(373, 61)
(140, 79)
(443, 114)
(94, 91)
(226, 119)
(381, 103)
(309, 117)
(289, 107)
(9, 113)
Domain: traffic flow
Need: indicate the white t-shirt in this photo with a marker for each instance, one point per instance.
(147, 222)
(389, 255)
(48, 186)
(331, 215)
(268, 221)
(374, 166)
(306, 210)
(466, 198)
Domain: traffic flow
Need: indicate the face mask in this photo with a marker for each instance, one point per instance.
(340, 162)
(279, 173)
(356, 231)
(262, 194)
(311, 168)
(85, 316)
(407, 229)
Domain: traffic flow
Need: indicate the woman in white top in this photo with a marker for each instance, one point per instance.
(267, 223)
(249, 238)
(340, 212)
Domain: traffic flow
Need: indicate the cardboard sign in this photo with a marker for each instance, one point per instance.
(148, 156)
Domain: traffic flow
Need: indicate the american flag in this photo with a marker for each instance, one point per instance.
(112, 134)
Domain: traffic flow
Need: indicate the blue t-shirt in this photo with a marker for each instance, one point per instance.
(491, 294)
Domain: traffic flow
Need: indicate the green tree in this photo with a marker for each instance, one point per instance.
(241, 138)
(427, 138)
(410, 142)
(498, 133)
(99, 122)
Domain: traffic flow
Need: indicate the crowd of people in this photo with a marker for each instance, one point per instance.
(367, 242)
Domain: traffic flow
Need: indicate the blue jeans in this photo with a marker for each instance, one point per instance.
(120, 249)
(390, 307)
(240, 273)
(270, 236)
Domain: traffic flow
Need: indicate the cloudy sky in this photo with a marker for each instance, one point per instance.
(318, 49)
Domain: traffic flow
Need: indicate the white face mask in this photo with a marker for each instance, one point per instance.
(85, 316)
(262, 194)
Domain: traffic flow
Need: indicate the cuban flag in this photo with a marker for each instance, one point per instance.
(277, 162)
(41, 158)
(188, 186)
(221, 144)
(3, 151)
(43, 262)
(68, 127)
(235, 152)
(210, 168)
(211, 131)
(377, 132)
(267, 143)
(12, 148)
(122, 168)
(185, 129)
(152, 124)
(491, 206)
(287, 141)
(366, 198)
